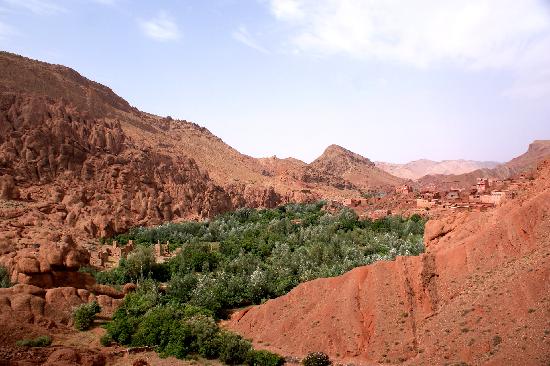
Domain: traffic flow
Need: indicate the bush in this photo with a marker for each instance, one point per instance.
(42, 341)
(317, 359)
(106, 340)
(139, 265)
(264, 358)
(233, 348)
(4, 277)
(84, 315)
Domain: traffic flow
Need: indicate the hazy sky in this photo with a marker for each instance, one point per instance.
(392, 80)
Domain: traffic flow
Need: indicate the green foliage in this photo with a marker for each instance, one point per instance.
(4, 278)
(263, 358)
(233, 348)
(149, 318)
(248, 256)
(106, 340)
(84, 315)
(140, 264)
(316, 359)
(42, 341)
(241, 258)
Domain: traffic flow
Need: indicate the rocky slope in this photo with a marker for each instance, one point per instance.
(338, 163)
(538, 150)
(76, 156)
(480, 295)
(49, 286)
(419, 168)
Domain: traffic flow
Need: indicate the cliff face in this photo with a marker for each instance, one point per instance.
(538, 150)
(478, 294)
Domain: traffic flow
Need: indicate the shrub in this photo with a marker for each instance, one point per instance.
(181, 287)
(264, 358)
(84, 315)
(4, 277)
(106, 340)
(233, 348)
(317, 359)
(139, 265)
(204, 330)
(42, 341)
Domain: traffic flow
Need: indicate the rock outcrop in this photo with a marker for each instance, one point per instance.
(479, 295)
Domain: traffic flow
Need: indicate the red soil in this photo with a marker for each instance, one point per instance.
(480, 294)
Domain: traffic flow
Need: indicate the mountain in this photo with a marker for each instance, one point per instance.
(361, 172)
(538, 150)
(78, 157)
(476, 296)
(419, 168)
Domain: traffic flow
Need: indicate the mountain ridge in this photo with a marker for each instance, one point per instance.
(417, 169)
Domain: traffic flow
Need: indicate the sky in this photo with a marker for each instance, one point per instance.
(391, 80)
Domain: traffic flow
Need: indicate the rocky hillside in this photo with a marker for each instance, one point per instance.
(479, 295)
(76, 156)
(419, 168)
(538, 150)
(339, 163)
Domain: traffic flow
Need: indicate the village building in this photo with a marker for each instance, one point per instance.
(99, 258)
(424, 203)
(453, 195)
(110, 253)
(430, 195)
(162, 250)
(118, 251)
(482, 185)
(496, 198)
(404, 189)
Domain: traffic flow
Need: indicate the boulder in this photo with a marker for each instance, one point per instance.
(8, 189)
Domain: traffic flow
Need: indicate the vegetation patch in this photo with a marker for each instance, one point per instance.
(148, 317)
(4, 278)
(84, 315)
(248, 256)
(238, 259)
(316, 359)
(42, 341)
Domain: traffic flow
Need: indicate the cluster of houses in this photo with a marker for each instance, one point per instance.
(109, 255)
(486, 193)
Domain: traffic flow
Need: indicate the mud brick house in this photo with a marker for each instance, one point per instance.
(482, 185)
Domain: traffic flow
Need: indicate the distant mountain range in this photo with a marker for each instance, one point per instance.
(419, 168)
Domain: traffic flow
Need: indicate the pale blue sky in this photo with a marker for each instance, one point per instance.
(391, 80)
